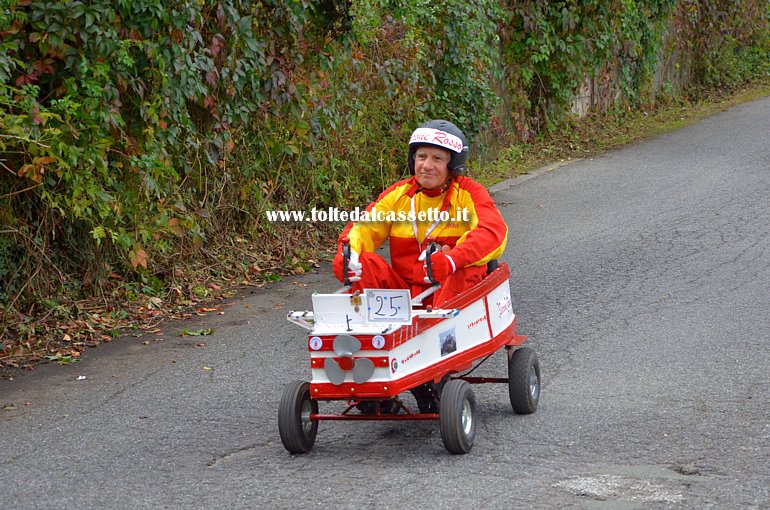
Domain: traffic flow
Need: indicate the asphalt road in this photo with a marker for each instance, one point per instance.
(642, 278)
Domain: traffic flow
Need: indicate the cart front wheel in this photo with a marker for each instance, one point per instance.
(524, 380)
(457, 416)
(297, 430)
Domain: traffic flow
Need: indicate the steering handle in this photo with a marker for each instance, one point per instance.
(431, 248)
(346, 259)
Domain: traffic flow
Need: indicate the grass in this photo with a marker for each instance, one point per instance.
(600, 132)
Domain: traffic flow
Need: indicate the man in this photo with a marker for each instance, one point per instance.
(438, 152)
(474, 233)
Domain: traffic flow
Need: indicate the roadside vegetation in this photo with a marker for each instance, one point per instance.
(141, 142)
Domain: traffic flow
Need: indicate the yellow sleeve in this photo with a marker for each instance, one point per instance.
(367, 236)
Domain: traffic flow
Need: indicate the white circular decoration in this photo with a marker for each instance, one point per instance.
(316, 343)
(378, 342)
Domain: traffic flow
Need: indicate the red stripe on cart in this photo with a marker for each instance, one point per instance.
(379, 361)
(489, 317)
(386, 389)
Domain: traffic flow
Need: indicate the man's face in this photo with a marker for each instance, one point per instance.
(431, 166)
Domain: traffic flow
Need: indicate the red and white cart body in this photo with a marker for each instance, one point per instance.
(375, 345)
(435, 343)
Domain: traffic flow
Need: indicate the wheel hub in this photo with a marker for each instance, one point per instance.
(467, 417)
(307, 423)
(534, 383)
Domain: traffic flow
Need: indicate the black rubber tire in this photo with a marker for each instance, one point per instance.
(457, 416)
(524, 380)
(297, 433)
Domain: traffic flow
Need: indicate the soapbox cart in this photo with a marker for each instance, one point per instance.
(367, 348)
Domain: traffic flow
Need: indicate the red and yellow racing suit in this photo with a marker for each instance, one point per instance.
(473, 239)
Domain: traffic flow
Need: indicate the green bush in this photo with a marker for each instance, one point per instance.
(137, 133)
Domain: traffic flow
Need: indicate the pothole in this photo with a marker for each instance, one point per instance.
(607, 487)
(240, 454)
(635, 483)
(688, 470)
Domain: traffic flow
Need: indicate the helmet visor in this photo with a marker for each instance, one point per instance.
(438, 138)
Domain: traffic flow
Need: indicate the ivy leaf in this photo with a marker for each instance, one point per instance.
(34, 172)
(25, 79)
(173, 226)
(138, 256)
(47, 160)
(301, 128)
(217, 45)
(197, 240)
(211, 79)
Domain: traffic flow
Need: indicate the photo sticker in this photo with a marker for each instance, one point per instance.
(448, 341)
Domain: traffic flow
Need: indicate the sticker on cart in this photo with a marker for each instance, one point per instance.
(448, 341)
(316, 343)
(389, 305)
(504, 306)
(378, 342)
(393, 365)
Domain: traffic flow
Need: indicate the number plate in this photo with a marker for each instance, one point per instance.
(389, 305)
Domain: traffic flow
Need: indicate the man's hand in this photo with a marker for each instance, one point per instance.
(441, 265)
(354, 267)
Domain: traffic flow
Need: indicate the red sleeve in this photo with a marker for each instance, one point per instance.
(488, 235)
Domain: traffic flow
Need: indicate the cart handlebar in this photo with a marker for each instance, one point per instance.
(346, 259)
(431, 249)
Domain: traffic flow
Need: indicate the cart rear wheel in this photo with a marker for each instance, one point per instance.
(457, 416)
(524, 380)
(297, 430)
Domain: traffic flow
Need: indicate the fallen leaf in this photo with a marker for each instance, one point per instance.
(196, 332)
